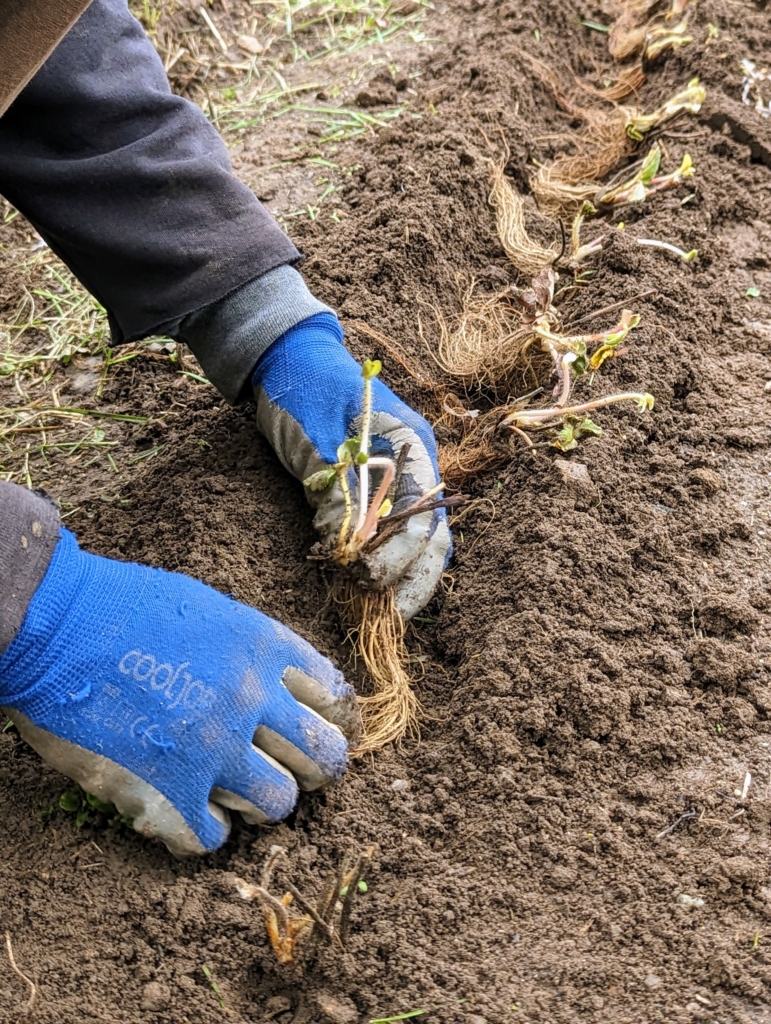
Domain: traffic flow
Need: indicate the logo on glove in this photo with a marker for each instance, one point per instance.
(192, 693)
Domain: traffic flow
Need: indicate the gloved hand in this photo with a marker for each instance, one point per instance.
(171, 701)
(309, 392)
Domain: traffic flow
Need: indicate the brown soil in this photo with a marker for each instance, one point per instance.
(599, 666)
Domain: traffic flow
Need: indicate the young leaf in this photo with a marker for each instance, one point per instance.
(321, 480)
(70, 801)
(99, 805)
(348, 451)
(566, 438)
(651, 164)
(588, 426)
(371, 368)
(752, 293)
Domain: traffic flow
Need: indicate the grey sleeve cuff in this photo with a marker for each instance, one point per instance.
(29, 532)
(229, 336)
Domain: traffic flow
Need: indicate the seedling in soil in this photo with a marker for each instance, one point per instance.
(606, 140)
(330, 917)
(207, 973)
(690, 101)
(88, 808)
(360, 525)
(522, 419)
(660, 38)
(581, 253)
(646, 181)
(573, 429)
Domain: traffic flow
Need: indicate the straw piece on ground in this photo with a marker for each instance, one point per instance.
(30, 1003)
(526, 254)
(392, 711)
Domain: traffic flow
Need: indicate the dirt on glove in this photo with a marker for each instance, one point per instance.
(570, 840)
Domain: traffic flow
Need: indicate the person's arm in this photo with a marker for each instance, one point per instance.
(131, 185)
(133, 188)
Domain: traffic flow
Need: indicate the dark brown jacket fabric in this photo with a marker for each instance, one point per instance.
(29, 31)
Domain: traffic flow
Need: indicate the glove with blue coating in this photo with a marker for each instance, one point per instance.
(309, 393)
(171, 701)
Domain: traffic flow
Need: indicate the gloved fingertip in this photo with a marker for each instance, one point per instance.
(330, 697)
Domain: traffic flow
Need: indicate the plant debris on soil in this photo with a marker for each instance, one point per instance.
(574, 836)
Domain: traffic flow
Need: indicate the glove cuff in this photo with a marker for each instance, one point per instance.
(229, 337)
(314, 330)
(29, 531)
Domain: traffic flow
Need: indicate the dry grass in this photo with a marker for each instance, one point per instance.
(246, 63)
(392, 711)
(524, 252)
(50, 320)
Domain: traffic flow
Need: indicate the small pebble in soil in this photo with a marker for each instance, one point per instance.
(336, 1009)
(155, 996)
(689, 901)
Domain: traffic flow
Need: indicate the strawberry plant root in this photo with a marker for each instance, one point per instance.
(376, 629)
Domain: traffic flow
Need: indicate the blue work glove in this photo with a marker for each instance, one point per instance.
(309, 393)
(171, 701)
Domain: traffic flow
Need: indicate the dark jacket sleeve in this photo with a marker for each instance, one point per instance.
(129, 184)
(29, 532)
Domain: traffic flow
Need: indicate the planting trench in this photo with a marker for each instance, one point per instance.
(598, 665)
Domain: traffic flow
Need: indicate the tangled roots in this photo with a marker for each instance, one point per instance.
(562, 186)
(526, 254)
(392, 711)
(485, 343)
